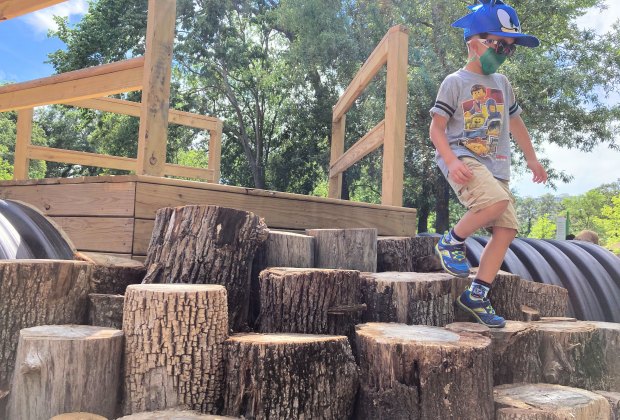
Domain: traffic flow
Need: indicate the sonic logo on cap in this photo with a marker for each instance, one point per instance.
(507, 24)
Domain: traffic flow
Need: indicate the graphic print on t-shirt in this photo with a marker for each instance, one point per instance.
(483, 120)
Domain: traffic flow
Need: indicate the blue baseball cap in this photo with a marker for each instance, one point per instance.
(496, 18)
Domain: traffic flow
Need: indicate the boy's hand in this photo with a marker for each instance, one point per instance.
(459, 172)
(538, 171)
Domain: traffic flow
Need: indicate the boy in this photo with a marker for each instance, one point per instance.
(472, 119)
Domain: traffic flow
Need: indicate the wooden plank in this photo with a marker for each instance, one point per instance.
(367, 144)
(337, 149)
(10, 9)
(85, 199)
(153, 133)
(279, 213)
(143, 228)
(100, 234)
(395, 118)
(81, 158)
(215, 152)
(21, 162)
(96, 81)
(189, 172)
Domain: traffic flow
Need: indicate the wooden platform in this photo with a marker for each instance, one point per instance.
(115, 214)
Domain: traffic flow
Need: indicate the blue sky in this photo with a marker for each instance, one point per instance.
(24, 46)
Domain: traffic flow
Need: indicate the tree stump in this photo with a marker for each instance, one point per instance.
(174, 337)
(173, 415)
(66, 368)
(78, 416)
(422, 372)
(309, 301)
(347, 249)
(408, 298)
(289, 376)
(38, 292)
(106, 310)
(469, 327)
(407, 254)
(110, 274)
(515, 353)
(548, 402)
(207, 245)
(613, 398)
(610, 338)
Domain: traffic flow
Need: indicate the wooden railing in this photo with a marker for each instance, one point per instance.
(88, 87)
(391, 51)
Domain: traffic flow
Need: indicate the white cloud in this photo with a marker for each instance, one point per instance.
(42, 20)
(601, 20)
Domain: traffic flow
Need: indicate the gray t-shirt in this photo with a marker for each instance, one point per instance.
(478, 108)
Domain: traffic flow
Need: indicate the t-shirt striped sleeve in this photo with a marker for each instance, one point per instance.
(446, 101)
(514, 108)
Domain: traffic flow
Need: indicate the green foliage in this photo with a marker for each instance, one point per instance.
(543, 228)
(583, 210)
(609, 222)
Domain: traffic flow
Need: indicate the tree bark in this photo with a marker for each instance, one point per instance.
(408, 298)
(207, 245)
(106, 310)
(66, 368)
(111, 275)
(347, 249)
(548, 402)
(173, 415)
(442, 207)
(407, 254)
(613, 398)
(289, 376)
(421, 372)
(174, 337)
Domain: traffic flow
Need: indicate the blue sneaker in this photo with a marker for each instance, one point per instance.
(452, 257)
(481, 310)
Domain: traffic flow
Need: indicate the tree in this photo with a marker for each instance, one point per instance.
(583, 210)
(543, 228)
(610, 222)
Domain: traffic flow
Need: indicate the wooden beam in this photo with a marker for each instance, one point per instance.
(370, 142)
(153, 132)
(21, 163)
(215, 152)
(108, 79)
(10, 9)
(337, 149)
(395, 117)
(81, 158)
(189, 172)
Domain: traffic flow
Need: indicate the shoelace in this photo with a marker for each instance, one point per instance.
(458, 255)
(489, 307)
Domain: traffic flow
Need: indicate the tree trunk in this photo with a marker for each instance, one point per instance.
(613, 398)
(408, 298)
(66, 368)
(38, 292)
(421, 372)
(111, 275)
(207, 245)
(347, 249)
(106, 310)
(423, 213)
(173, 415)
(548, 402)
(289, 376)
(174, 337)
(442, 204)
(406, 254)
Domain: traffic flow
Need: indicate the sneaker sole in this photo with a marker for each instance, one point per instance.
(475, 315)
(446, 269)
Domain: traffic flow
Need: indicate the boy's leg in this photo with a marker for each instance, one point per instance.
(494, 253)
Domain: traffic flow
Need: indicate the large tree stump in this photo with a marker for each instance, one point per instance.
(610, 338)
(174, 415)
(289, 376)
(310, 301)
(548, 402)
(78, 416)
(407, 254)
(174, 337)
(613, 398)
(408, 298)
(207, 245)
(66, 368)
(347, 249)
(106, 310)
(38, 292)
(421, 372)
(111, 274)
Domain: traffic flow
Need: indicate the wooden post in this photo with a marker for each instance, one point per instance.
(395, 117)
(153, 131)
(21, 162)
(215, 151)
(337, 149)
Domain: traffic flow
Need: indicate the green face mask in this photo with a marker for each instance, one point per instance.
(491, 61)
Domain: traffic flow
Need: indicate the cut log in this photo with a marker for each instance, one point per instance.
(289, 376)
(422, 372)
(111, 274)
(610, 340)
(408, 298)
(613, 398)
(207, 245)
(548, 402)
(309, 301)
(347, 249)
(174, 337)
(469, 327)
(78, 416)
(174, 415)
(106, 310)
(38, 292)
(530, 314)
(407, 254)
(66, 368)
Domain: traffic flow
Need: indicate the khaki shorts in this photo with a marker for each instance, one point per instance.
(484, 190)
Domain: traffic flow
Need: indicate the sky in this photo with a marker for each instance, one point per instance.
(24, 46)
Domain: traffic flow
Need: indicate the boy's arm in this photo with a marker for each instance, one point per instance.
(457, 170)
(523, 139)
